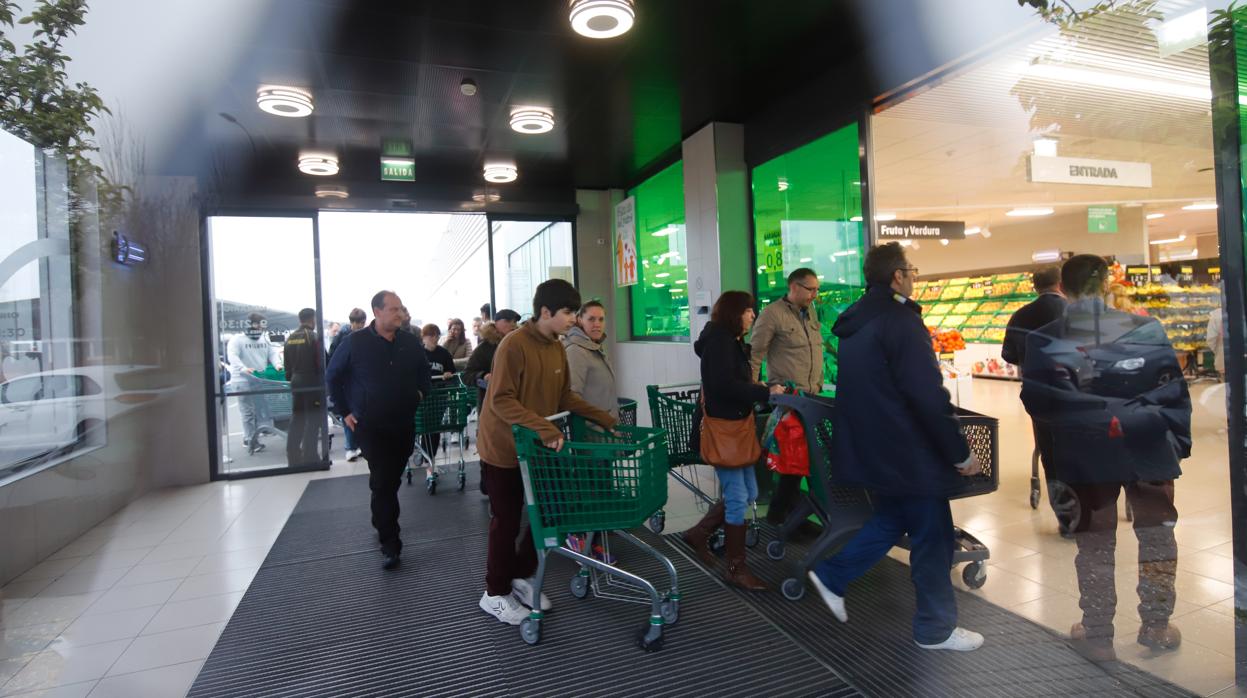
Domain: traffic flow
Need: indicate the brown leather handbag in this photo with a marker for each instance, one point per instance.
(728, 443)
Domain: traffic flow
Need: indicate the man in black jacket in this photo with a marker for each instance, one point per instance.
(1048, 307)
(357, 318)
(303, 357)
(1108, 388)
(377, 378)
(896, 434)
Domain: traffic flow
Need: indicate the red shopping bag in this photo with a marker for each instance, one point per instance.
(794, 454)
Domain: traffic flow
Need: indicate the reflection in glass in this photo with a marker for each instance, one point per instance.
(660, 296)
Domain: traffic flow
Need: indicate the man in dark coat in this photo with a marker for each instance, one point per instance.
(357, 319)
(303, 359)
(481, 362)
(377, 377)
(896, 434)
(1108, 388)
(1049, 306)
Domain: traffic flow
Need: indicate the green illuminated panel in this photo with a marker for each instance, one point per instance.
(660, 299)
(803, 205)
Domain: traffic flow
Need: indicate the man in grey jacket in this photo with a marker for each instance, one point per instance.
(592, 375)
(788, 336)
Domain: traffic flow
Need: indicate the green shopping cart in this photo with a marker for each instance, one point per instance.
(443, 412)
(598, 481)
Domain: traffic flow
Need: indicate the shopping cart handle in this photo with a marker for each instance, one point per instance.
(786, 400)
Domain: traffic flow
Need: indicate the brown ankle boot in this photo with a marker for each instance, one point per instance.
(737, 573)
(698, 537)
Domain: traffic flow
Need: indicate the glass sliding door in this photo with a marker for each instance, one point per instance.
(267, 344)
(526, 253)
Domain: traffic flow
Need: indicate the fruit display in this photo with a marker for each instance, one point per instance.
(941, 309)
(965, 307)
(997, 368)
(972, 334)
(952, 293)
(991, 307)
(1182, 310)
(953, 322)
(946, 341)
(979, 321)
(933, 320)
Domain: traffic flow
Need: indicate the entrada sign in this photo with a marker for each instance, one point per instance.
(922, 230)
(1111, 173)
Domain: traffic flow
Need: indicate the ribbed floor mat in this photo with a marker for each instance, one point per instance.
(874, 650)
(322, 619)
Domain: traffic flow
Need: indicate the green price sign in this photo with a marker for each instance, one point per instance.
(1101, 219)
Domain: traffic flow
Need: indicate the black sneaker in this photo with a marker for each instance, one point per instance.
(392, 561)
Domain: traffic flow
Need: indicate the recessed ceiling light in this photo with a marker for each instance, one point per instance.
(1046, 256)
(885, 217)
(602, 19)
(783, 184)
(1045, 147)
(486, 197)
(1168, 241)
(855, 219)
(318, 164)
(532, 120)
(944, 242)
(284, 101)
(1024, 212)
(500, 172)
(332, 191)
(1201, 206)
(1154, 216)
(973, 231)
(468, 87)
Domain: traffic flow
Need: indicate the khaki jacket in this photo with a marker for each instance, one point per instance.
(791, 347)
(592, 375)
(529, 382)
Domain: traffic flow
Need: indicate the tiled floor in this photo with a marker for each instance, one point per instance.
(134, 606)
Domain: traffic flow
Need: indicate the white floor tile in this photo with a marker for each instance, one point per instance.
(215, 584)
(10, 666)
(137, 596)
(81, 582)
(49, 569)
(28, 639)
(174, 680)
(107, 559)
(176, 615)
(105, 627)
(74, 690)
(176, 647)
(158, 571)
(65, 665)
(51, 609)
(232, 560)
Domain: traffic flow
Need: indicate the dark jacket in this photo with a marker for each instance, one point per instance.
(338, 339)
(481, 362)
(440, 361)
(1108, 387)
(303, 357)
(381, 382)
(726, 377)
(1030, 317)
(896, 431)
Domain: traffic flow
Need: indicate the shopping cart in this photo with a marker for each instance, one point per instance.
(844, 510)
(444, 411)
(598, 481)
(671, 409)
(627, 412)
(273, 405)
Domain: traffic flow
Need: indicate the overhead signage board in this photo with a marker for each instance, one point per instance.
(395, 169)
(1101, 219)
(625, 243)
(921, 230)
(1108, 173)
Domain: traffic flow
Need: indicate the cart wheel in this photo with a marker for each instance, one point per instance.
(580, 586)
(793, 589)
(974, 575)
(463, 480)
(671, 611)
(530, 630)
(658, 521)
(751, 535)
(431, 485)
(775, 550)
(650, 638)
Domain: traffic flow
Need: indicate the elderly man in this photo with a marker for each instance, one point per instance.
(788, 337)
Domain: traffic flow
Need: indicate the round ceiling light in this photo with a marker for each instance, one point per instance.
(602, 19)
(486, 197)
(284, 101)
(332, 191)
(532, 120)
(318, 164)
(500, 172)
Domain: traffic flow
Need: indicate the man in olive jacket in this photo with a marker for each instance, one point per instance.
(529, 382)
(788, 336)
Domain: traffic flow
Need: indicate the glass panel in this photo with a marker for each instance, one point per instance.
(527, 253)
(45, 415)
(660, 296)
(263, 422)
(807, 208)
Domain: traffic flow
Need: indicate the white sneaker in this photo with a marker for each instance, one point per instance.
(523, 591)
(961, 640)
(352, 455)
(504, 608)
(833, 601)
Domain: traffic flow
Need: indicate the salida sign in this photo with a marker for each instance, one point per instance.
(922, 230)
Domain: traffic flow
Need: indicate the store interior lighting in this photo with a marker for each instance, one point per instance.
(602, 19)
(973, 231)
(532, 120)
(1046, 256)
(783, 184)
(1045, 147)
(1168, 241)
(886, 217)
(1120, 81)
(318, 164)
(944, 242)
(1028, 212)
(279, 100)
(855, 219)
(1155, 216)
(500, 172)
(332, 191)
(845, 253)
(486, 197)
(1201, 206)
(665, 232)
(1180, 256)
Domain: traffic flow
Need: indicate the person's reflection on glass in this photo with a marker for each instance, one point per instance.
(1108, 386)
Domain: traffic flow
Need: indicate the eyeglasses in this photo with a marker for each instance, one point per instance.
(808, 289)
(912, 271)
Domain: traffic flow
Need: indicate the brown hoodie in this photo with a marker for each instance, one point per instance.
(530, 382)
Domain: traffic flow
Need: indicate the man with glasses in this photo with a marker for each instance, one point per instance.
(789, 338)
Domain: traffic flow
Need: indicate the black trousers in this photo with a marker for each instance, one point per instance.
(1061, 497)
(510, 556)
(386, 449)
(307, 424)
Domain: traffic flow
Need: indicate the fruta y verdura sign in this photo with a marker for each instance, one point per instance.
(921, 230)
(1109, 173)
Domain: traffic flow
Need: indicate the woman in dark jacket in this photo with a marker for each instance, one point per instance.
(729, 393)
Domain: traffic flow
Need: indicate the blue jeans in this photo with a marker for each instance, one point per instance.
(929, 523)
(350, 437)
(740, 487)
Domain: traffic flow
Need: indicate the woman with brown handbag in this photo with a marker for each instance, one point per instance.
(728, 434)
